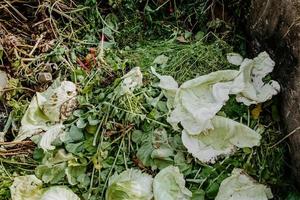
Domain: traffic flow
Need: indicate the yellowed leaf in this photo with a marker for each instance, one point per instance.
(256, 111)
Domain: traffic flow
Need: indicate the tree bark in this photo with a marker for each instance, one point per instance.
(274, 25)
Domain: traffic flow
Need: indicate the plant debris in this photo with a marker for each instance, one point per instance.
(83, 115)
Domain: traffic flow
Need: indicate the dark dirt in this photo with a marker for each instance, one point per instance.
(274, 25)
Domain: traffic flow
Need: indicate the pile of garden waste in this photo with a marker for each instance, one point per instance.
(136, 100)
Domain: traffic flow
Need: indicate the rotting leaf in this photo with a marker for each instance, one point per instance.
(45, 110)
(255, 112)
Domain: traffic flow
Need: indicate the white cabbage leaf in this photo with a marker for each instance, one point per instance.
(239, 186)
(169, 184)
(252, 73)
(132, 80)
(44, 113)
(169, 87)
(223, 140)
(198, 100)
(59, 193)
(131, 184)
(235, 58)
(50, 135)
(27, 187)
(161, 60)
(52, 100)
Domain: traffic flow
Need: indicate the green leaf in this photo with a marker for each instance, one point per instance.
(74, 148)
(198, 195)
(155, 150)
(75, 134)
(38, 154)
(51, 174)
(138, 136)
(181, 163)
(81, 123)
(73, 172)
(212, 190)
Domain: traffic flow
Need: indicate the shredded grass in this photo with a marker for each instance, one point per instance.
(185, 61)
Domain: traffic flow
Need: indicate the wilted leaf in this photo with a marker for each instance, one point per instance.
(26, 188)
(161, 60)
(240, 186)
(30, 188)
(132, 80)
(59, 193)
(50, 135)
(235, 58)
(169, 87)
(44, 110)
(198, 100)
(255, 112)
(155, 151)
(131, 184)
(252, 73)
(169, 184)
(222, 140)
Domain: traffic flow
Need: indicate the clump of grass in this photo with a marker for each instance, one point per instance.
(185, 61)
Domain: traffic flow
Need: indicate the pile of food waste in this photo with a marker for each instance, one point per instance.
(136, 100)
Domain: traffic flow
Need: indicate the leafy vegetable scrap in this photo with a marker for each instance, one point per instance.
(169, 184)
(252, 73)
(240, 186)
(30, 188)
(133, 79)
(131, 184)
(223, 140)
(155, 150)
(196, 103)
(47, 111)
(129, 139)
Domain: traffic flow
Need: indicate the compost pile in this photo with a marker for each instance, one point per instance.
(135, 100)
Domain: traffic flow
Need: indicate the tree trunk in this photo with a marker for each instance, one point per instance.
(274, 25)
